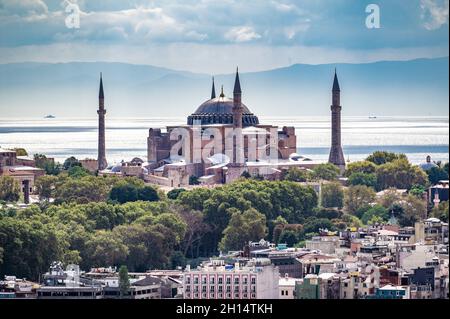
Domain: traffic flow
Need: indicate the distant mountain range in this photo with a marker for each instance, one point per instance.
(417, 87)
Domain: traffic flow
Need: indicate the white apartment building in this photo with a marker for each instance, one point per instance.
(257, 279)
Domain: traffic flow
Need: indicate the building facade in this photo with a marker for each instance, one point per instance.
(256, 279)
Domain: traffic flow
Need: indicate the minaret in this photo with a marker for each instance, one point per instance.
(102, 164)
(213, 91)
(237, 102)
(336, 154)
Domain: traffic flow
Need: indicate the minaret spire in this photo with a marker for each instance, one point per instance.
(100, 93)
(237, 102)
(336, 87)
(336, 154)
(213, 92)
(237, 83)
(102, 163)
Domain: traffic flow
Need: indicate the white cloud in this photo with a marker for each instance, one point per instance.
(23, 7)
(434, 13)
(242, 34)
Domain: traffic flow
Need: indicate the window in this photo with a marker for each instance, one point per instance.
(220, 280)
(196, 280)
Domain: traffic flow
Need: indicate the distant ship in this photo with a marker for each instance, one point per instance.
(49, 117)
(372, 117)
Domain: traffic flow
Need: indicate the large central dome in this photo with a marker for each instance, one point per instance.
(220, 111)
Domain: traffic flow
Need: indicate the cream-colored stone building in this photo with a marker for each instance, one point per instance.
(21, 169)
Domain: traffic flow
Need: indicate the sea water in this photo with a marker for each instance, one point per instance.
(126, 138)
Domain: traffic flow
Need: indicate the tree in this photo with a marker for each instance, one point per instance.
(375, 213)
(106, 249)
(124, 281)
(295, 174)
(327, 171)
(435, 174)
(369, 180)
(193, 180)
(124, 192)
(196, 229)
(358, 198)
(174, 193)
(29, 246)
(440, 212)
(243, 227)
(177, 259)
(20, 151)
(329, 213)
(45, 186)
(332, 195)
(313, 225)
(148, 194)
(383, 157)
(279, 229)
(246, 174)
(289, 237)
(71, 162)
(389, 198)
(83, 190)
(78, 172)
(417, 190)
(364, 167)
(400, 174)
(49, 165)
(195, 198)
(9, 189)
(413, 209)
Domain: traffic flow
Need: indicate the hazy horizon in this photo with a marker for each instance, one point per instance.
(158, 56)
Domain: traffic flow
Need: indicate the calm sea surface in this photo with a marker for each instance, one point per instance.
(127, 138)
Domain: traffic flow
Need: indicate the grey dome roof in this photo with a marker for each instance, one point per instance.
(220, 111)
(219, 105)
(427, 166)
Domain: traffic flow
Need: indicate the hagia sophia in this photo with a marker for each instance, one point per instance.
(221, 141)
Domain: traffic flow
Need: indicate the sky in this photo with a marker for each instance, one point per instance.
(213, 36)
